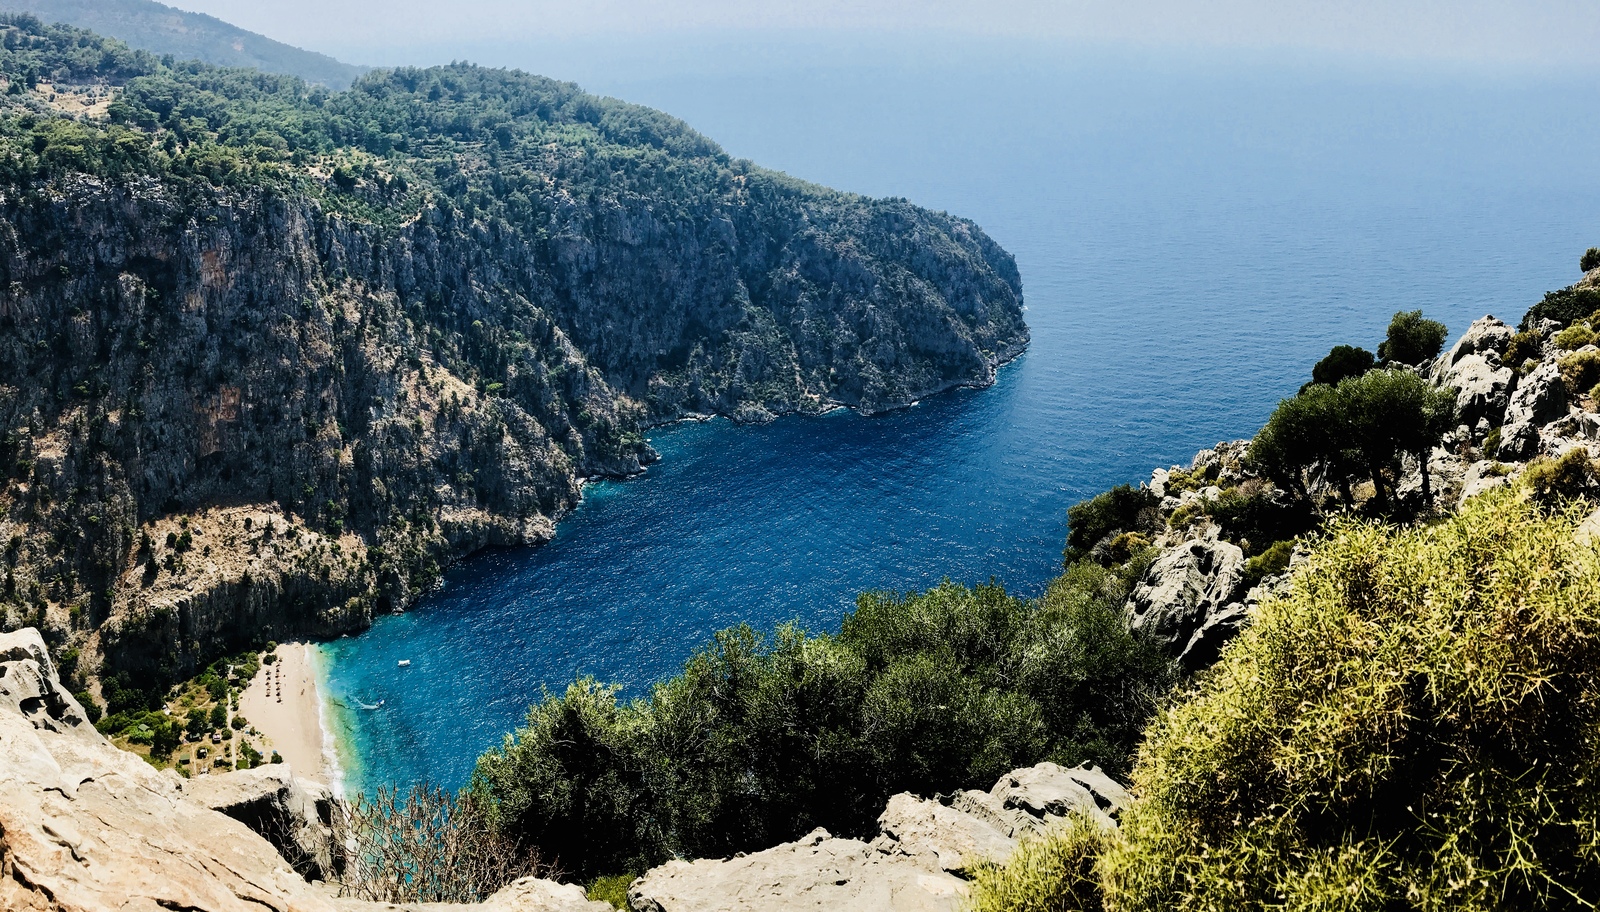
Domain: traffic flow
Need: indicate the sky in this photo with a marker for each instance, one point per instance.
(382, 32)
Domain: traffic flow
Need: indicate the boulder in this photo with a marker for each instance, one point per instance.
(1048, 791)
(1483, 475)
(1487, 337)
(295, 816)
(953, 839)
(1540, 398)
(1446, 474)
(1483, 387)
(87, 827)
(1183, 589)
(818, 871)
(924, 849)
(1158, 482)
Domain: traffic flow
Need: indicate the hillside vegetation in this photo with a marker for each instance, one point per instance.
(761, 740)
(273, 355)
(162, 29)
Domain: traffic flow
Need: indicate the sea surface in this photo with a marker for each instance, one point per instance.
(1193, 233)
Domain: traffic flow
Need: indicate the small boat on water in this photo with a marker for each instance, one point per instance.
(404, 662)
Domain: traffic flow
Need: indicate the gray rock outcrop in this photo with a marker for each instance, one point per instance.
(1185, 600)
(1486, 336)
(917, 863)
(1540, 398)
(1483, 388)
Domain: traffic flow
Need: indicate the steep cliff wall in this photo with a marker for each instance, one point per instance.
(249, 389)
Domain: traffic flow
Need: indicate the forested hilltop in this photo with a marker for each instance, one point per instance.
(162, 29)
(271, 355)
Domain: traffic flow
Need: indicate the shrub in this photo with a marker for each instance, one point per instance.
(90, 707)
(1254, 519)
(1270, 562)
(1580, 370)
(424, 846)
(1343, 361)
(761, 739)
(1563, 306)
(1121, 509)
(1409, 727)
(1122, 548)
(1575, 336)
(1524, 346)
(1552, 481)
(1052, 873)
(613, 890)
(1590, 259)
(1412, 339)
(1192, 479)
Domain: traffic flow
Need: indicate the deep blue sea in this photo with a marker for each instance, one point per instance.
(1193, 233)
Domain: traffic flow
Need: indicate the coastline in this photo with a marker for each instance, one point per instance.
(284, 702)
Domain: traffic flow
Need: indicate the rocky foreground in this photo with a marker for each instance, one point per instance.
(85, 827)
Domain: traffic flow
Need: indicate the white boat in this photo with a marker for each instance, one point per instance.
(404, 662)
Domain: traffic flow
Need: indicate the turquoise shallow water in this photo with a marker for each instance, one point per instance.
(1192, 235)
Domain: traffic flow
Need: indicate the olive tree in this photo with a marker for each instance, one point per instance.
(1412, 339)
(1361, 426)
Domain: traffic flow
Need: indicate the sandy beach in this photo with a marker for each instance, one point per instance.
(283, 703)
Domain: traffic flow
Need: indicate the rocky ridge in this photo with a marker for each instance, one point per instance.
(1520, 399)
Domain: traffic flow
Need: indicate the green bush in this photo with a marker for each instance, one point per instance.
(1554, 481)
(613, 890)
(1053, 873)
(1575, 336)
(1412, 339)
(1410, 727)
(91, 708)
(1255, 519)
(1580, 370)
(764, 738)
(1522, 347)
(1270, 562)
(1564, 306)
(1121, 509)
(1182, 480)
(1590, 259)
(1341, 362)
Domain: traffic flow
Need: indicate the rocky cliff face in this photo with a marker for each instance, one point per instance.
(232, 411)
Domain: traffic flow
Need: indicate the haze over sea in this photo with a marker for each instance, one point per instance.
(1193, 232)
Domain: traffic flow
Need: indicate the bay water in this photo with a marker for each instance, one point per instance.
(1193, 232)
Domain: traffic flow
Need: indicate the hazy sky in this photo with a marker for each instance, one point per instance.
(1511, 31)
